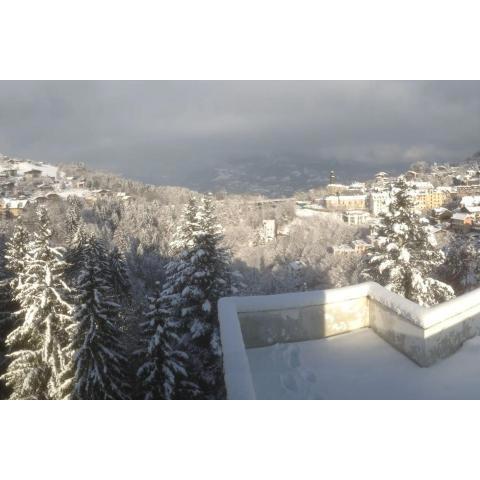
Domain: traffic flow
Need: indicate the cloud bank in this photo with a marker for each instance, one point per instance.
(168, 132)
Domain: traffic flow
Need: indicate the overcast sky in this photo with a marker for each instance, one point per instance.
(158, 130)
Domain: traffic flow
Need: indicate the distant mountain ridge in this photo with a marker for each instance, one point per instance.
(267, 176)
(279, 177)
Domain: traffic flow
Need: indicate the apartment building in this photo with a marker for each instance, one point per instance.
(346, 202)
(430, 199)
(355, 217)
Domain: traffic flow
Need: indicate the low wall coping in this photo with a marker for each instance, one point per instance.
(465, 305)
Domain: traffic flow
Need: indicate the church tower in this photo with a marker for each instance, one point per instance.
(333, 178)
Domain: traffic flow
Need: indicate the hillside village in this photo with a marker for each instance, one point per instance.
(26, 183)
(447, 197)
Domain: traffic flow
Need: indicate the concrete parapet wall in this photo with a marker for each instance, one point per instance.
(402, 334)
(260, 329)
(423, 335)
(445, 338)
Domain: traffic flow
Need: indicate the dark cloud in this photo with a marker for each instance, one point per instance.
(168, 131)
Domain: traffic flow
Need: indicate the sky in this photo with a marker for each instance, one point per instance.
(169, 132)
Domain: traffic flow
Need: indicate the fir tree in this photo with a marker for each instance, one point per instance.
(7, 307)
(97, 365)
(38, 344)
(212, 275)
(12, 275)
(163, 372)
(186, 232)
(196, 279)
(16, 255)
(74, 217)
(405, 254)
(7, 318)
(75, 251)
(119, 274)
(462, 264)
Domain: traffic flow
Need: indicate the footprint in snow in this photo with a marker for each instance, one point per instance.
(294, 357)
(289, 382)
(309, 376)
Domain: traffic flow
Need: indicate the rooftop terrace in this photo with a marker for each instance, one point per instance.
(298, 345)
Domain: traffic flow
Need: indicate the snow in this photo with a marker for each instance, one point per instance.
(421, 185)
(207, 306)
(314, 211)
(305, 212)
(360, 365)
(460, 216)
(470, 200)
(77, 192)
(345, 197)
(25, 166)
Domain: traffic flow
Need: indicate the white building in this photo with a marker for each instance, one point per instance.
(355, 217)
(343, 250)
(423, 186)
(378, 202)
(269, 231)
(381, 179)
(358, 247)
(345, 202)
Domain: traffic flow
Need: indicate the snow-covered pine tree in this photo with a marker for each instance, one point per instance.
(196, 279)
(11, 280)
(163, 373)
(75, 250)
(7, 318)
(187, 229)
(179, 270)
(462, 264)
(97, 365)
(7, 307)
(16, 255)
(213, 273)
(37, 345)
(405, 254)
(74, 217)
(120, 277)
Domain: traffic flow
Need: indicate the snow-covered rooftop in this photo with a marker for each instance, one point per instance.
(360, 242)
(24, 166)
(460, 216)
(360, 365)
(470, 200)
(421, 185)
(75, 192)
(345, 197)
(472, 209)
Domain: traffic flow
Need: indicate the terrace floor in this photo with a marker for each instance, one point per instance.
(360, 365)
